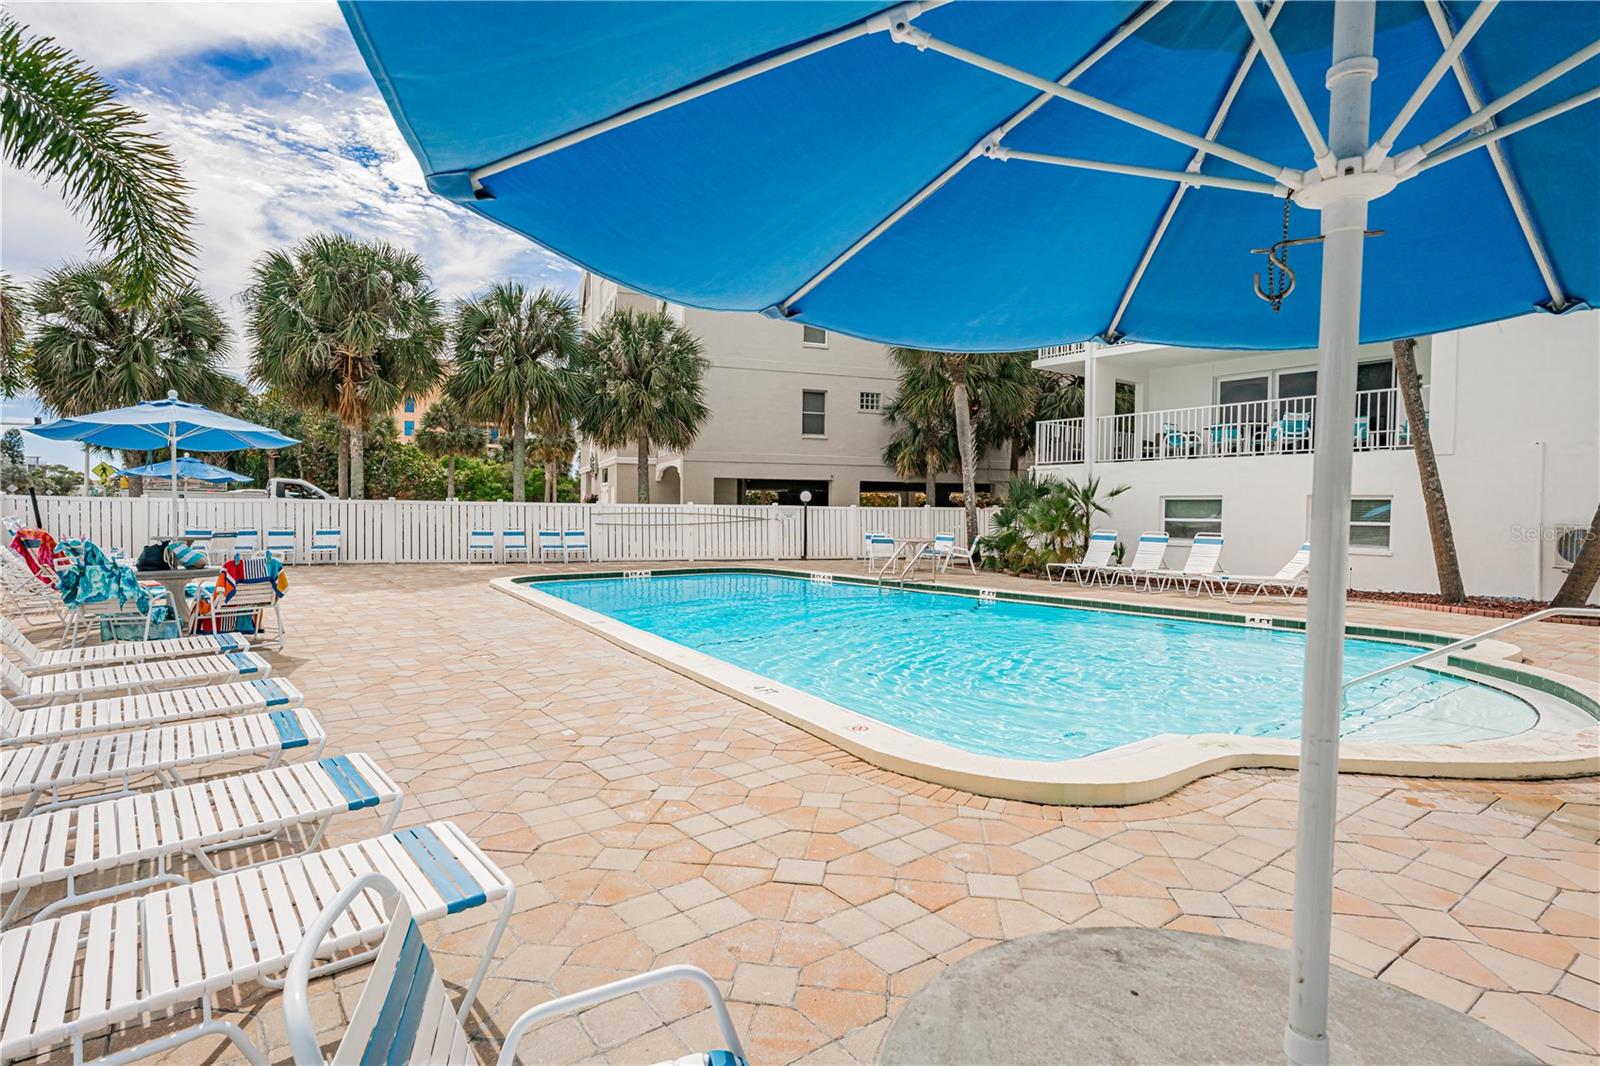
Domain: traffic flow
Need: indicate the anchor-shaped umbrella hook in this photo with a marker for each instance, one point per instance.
(1280, 278)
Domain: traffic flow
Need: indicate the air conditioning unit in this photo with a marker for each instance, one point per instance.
(1569, 541)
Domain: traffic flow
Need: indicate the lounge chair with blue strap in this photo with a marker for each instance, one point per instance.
(59, 847)
(325, 544)
(281, 543)
(62, 686)
(1198, 571)
(515, 542)
(480, 545)
(113, 714)
(877, 549)
(32, 659)
(172, 950)
(1286, 582)
(1149, 558)
(1096, 557)
(947, 553)
(66, 768)
(404, 1013)
(575, 542)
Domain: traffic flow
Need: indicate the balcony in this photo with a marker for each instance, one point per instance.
(1285, 426)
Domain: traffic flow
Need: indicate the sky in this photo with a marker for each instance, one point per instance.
(281, 132)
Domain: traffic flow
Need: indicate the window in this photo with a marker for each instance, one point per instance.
(1370, 521)
(605, 475)
(494, 434)
(1182, 517)
(411, 405)
(411, 427)
(872, 401)
(813, 413)
(812, 337)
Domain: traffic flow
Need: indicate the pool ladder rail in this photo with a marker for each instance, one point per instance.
(914, 552)
(1468, 642)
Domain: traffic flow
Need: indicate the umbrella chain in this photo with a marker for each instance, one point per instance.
(1280, 278)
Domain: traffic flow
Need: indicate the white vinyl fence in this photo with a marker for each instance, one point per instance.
(409, 531)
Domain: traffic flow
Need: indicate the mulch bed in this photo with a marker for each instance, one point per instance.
(1485, 606)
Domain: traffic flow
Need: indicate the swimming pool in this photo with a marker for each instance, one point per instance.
(1030, 681)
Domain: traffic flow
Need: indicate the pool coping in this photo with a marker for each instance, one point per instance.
(1131, 773)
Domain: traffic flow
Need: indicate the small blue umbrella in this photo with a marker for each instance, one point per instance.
(188, 468)
(998, 176)
(169, 423)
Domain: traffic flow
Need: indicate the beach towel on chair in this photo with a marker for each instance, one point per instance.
(93, 578)
(38, 549)
(236, 575)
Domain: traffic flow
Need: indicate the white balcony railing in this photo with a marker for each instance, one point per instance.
(1058, 441)
(1257, 427)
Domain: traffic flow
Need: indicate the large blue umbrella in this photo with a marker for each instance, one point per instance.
(995, 176)
(169, 423)
(189, 469)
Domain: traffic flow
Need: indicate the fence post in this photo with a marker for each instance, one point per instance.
(775, 533)
(390, 519)
(855, 531)
(691, 539)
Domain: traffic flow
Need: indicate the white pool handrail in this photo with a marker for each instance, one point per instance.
(1467, 642)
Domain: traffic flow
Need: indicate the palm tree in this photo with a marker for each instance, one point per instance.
(1445, 560)
(968, 385)
(554, 445)
(446, 433)
(1585, 572)
(13, 338)
(95, 347)
(345, 326)
(1005, 389)
(513, 351)
(920, 449)
(640, 380)
(58, 122)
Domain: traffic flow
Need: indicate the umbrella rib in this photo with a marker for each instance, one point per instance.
(1217, 120)
(1182, 177)
(1127, 29)
(875, 24)
(1448, 59)
(1262, 34)
(1502, 167)
(905, 33)
(1421, 164)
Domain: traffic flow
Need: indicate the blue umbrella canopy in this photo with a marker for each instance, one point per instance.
(936, 175)
(168, 423)
(187, 467)
(999, 176)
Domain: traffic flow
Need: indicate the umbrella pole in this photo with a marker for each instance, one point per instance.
(1344, 220)
(172, 455)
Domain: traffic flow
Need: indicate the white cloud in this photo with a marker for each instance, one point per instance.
(271, 159)
(113, 36)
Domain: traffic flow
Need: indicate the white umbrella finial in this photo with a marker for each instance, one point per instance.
(172, 394)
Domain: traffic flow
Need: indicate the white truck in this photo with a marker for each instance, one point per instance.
(284, 488)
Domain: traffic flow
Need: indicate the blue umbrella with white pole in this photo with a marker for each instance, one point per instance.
(189, 469)
(171, 424)
(996, 176)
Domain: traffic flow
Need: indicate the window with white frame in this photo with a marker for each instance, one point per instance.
(1371, 521)
(1184, 516)
(813, 337)
(813, 413)
(872, 401)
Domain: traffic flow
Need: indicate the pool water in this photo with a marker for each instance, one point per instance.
(1027, 680)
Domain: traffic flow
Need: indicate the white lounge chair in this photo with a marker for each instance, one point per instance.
(247, 542)
(575, 542)
(480, 544)
(405, 981)
(325, 543)
(176, 948)
(116, 760)
(877, 549)
(222, 546)
(83, 682)
(36, 660)
(42, 724)
(84, 619)
(1148, 559)
(947, 552)
(1287, 581)
(199, 820)
(280, 542)
(1199, 570)
(1096, 557)
(550, 545)
(24, 595)
(515, 542)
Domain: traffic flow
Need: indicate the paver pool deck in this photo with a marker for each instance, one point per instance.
(651, 820)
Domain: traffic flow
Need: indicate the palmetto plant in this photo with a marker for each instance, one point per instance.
(1045, 522)
(640, 379)
(446, 433)
(58, 122)
(513, 355)
(94, 347)
(346, 326)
